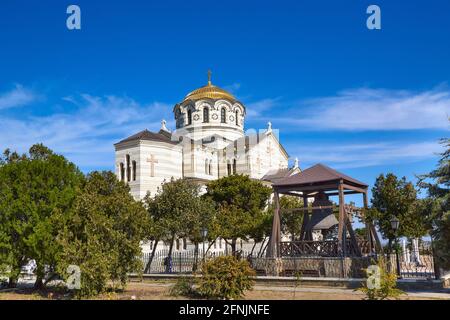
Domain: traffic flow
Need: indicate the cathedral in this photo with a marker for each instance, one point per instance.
(208, 143)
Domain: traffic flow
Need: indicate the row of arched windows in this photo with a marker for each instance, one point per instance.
(128, 170)
(208, 167)
(223, 116)
(231, 167)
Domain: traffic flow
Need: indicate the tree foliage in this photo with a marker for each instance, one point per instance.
(51, 213)
(178, 211)
(384, 285)
(240, 203)
(225, 277)
(437, 184)
(102, 234)
(35, 189)
(291, 220)
(397, 197)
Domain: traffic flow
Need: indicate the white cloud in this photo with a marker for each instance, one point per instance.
(372, 109)
(366, 155)
(257, 109)
(86, 135)
(233, 88)
(17, 97)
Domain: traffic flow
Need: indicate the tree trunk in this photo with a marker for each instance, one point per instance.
(233, 247)
(171, 246)
(265, 247)
(262, 246)
(210, 245)
(39, 284)
(254, 245)
(12, 282)
(147, 267)
(169, 255)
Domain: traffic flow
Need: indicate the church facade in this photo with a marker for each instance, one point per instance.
(209, 142)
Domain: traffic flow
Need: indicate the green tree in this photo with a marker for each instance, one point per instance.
(396, 197)
(35, 189)
(177, 211)
(102, 235)
(240, 203)
(291, 220)
(437, 184)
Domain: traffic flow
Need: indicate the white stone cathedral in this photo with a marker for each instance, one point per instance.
(209, 143)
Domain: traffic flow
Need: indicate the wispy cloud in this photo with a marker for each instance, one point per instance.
(233, 88)
(85, 135)
(367, 109)
(17, 97)
(366, 155)
(258, 108)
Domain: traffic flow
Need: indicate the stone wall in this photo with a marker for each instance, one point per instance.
(329, 267)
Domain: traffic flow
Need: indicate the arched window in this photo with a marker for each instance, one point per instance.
(189, 114)
(206, 166)
(134, 170)
(237, 117)
(229, 168)
(223, 115)
(234, 166)
(210, 167)
(122, 172)
(128, 168)
(206, 114)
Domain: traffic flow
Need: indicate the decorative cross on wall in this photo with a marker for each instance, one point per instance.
(258, 164)
(152, 161)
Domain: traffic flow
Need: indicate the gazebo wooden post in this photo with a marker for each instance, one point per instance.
(305, 222)
(273, 250)
(373, 236)
(368, 230)
(341, 228)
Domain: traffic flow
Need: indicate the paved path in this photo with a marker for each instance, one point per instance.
(444, 294)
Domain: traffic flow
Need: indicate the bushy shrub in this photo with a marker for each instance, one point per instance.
(183, 287)
(225, 278)
(385, 287)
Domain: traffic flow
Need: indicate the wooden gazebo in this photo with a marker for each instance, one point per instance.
(307, 184)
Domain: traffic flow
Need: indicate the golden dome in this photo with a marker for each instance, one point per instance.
(209, 92)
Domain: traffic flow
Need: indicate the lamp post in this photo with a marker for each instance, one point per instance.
(204, 235)
(395, 223)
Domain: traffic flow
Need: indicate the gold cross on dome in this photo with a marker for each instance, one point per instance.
(209, 77)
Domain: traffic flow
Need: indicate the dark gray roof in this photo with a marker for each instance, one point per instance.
(161, 136)
(277, 175)
(318, 174)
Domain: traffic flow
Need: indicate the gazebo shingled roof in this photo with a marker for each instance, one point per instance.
(316, 175)
(306, 184)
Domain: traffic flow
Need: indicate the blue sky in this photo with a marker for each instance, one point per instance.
(365, 102)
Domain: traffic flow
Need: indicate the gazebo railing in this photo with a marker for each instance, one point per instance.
(320, 248)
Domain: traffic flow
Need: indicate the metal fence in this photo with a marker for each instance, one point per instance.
(181, 261)
(417, 264)
(415, 260)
